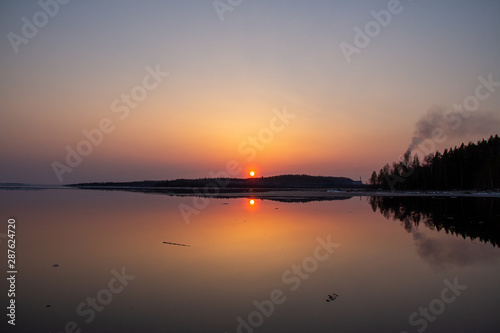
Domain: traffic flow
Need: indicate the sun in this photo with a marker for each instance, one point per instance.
(252, 173)
(252, 202)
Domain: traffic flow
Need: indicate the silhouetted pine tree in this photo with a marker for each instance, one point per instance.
(471, 167)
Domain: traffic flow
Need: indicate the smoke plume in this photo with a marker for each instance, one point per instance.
(447, 123)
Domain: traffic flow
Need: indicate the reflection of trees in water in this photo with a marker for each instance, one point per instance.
(475, 218)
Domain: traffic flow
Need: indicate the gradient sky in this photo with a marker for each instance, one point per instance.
(226, 78)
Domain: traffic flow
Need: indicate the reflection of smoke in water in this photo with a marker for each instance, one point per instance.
(441, 253)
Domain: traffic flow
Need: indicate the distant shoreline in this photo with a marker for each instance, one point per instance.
(264, 193)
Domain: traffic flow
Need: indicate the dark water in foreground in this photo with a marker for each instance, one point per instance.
(330, 266)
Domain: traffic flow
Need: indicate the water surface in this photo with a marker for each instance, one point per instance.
(378, 271)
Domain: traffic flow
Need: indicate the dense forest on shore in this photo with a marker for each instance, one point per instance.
(468, 167)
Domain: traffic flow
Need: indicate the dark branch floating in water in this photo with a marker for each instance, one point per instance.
(178, 244)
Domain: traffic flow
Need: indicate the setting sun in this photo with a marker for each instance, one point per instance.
(252, 173)
(252, 202)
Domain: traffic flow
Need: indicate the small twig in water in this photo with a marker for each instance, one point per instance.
(175, 244)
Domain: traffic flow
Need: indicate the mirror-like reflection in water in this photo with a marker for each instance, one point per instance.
(474, 218)
(477, 219)
(127, 262)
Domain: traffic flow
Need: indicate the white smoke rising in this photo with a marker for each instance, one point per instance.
(454, 124)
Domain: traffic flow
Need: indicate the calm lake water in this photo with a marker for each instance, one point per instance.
(325, 266)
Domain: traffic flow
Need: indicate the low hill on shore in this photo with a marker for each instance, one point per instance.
(282, 181)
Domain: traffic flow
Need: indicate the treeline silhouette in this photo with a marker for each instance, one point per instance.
(275, 182)
(468, 167)
(474, 218)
